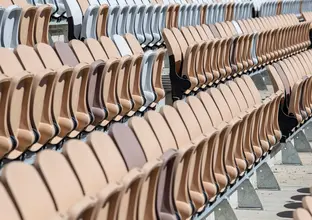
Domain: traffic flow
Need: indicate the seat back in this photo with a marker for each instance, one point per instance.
(56, 171)
(41, 205)
(89, 173)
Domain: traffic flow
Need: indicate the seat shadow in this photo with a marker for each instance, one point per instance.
(285, 214)
(304, 190)
(298, 197)
(293, 205)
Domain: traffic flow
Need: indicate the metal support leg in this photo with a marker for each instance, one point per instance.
(290, 154)
(266, 179)
(224, 211)
(301, 143)
(248, 197)
(308, 131)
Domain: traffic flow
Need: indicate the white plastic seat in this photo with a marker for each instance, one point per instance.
(9, 26)
(82, 19)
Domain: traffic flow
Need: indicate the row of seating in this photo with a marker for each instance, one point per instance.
(145, 19)
(22, 23)
(293, 75)
(272, 8)
(48, 94)
(169, 165)
(204, 55)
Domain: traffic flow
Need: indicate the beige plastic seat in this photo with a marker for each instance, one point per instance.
(34, 24)
(117, 77)
(42, 96)
(5, 91)
(186, 139)
(134, 76)
(93, 180)
(41, 205)
(153, 150)
(116, 170)
(182, 201)
(19, 121)
(8, 209)
(301, 214)
(70, 199)
(203, 141)
(72, 110)
(157, 66)
(136, 157)
(182, 60)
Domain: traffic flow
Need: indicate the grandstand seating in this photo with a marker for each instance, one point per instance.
(66, 103)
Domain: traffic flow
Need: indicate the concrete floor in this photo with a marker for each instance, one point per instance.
(294, 182)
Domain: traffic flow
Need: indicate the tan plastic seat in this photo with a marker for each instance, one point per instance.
(301, 214)
(42, 95)
(6, 141)
(134, 74)
(8, 209)
(135, 157)
(153, 150)
(116, 170)
(34, 24)
(182, 201)
(93, 180)
(182, 60)
(157, 66)
(69, 199)
(19, 121)
(117, 93)
(72, 82)
(41, 205)
(203, 141)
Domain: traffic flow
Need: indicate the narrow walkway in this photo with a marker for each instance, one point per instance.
(294, 182)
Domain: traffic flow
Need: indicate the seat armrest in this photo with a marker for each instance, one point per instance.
(81, 207)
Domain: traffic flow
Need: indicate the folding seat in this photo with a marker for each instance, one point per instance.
(15, 203)
(153, 150)
(301, 214)
(7, 138)
(107, 22)
(270, 130)
(157, 66)
(116, 96)
(34, 23)
(95, 102)
(8, 209)
(94, 178)
(282, 80)
(19, 105)
(146, 75)
(209, 14)
(138, 157)
(117, 171)
(88, 11)
(182, 201)
(135, 74)
(42, 97)
(182, 75)
(73, 201)
(213, 159)
(192, 37)
(9, 24)
(72, 113)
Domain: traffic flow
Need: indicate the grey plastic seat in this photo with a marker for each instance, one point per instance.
(82, 19)
(9, 26)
